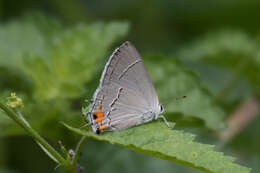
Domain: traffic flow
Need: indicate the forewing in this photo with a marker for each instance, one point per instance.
(127, 69)
(126, 91)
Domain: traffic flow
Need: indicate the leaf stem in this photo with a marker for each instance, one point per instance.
(240, 118)
(24, 124)
(77, 151)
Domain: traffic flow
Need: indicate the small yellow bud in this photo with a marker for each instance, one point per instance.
(13, 95)
(13, 101)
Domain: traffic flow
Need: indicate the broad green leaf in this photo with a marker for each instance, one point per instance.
(72, 60)
(129, 160)
(158, 140)
(173, 80)
(235, 50)
(28, 35)
(19, 38)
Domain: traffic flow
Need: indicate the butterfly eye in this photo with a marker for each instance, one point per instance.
(161, 108)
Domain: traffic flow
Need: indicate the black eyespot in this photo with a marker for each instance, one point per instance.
(94, 116)
(98, 131)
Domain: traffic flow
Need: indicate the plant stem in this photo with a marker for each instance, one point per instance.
(77, 151)
(240, 118)
(24, 124)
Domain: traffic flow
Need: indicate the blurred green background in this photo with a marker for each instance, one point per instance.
(52, 53)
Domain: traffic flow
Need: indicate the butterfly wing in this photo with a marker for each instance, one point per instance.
(126, 91)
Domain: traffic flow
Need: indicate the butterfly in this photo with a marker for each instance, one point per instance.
(125, 96)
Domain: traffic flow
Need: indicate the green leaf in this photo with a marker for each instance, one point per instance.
(235, 50)
(173, 80)
(72, 60)
(28, 35)
(158, 140)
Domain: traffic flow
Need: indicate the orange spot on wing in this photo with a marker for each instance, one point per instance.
(98, 114)
(102, 128)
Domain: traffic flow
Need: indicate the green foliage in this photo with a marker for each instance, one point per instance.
(72, 60)
(157, 139)
(234, 50)
(172, 81)
(53, 67)
(53, 63)
(29, 35)
(13, 45)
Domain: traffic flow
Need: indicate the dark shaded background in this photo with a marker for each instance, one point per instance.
(164, 27)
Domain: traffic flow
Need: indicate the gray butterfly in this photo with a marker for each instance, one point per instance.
(126, 96)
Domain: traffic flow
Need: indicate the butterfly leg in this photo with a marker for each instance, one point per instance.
(165, 120)
(85, 125)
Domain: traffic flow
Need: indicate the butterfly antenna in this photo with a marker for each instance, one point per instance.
(174, 99)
